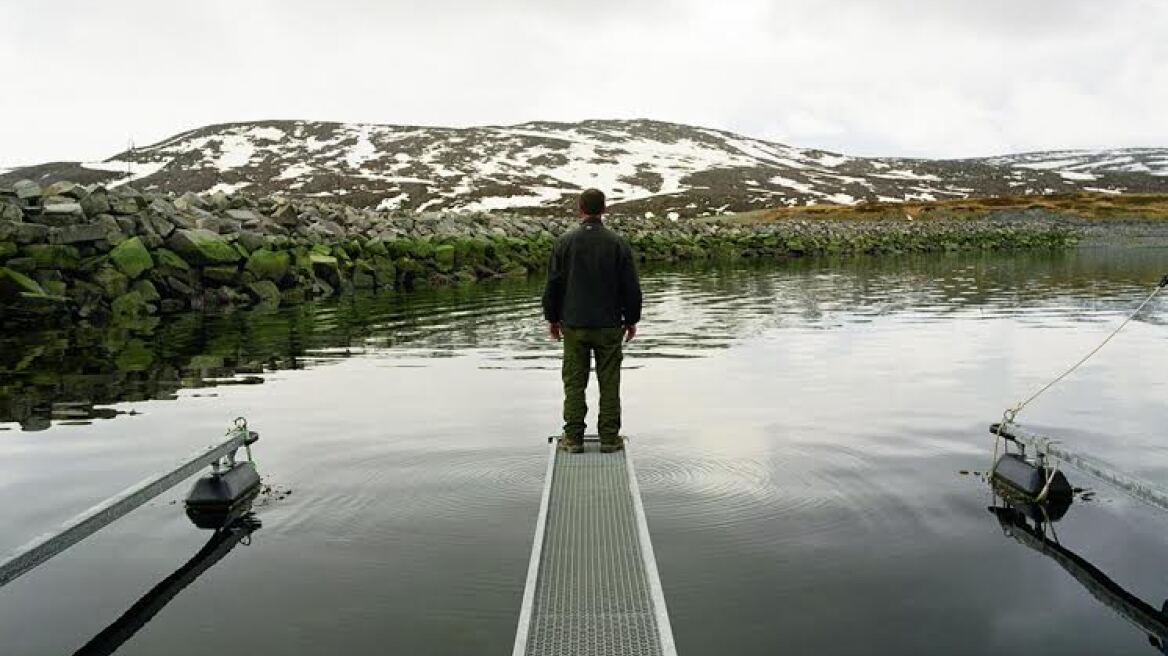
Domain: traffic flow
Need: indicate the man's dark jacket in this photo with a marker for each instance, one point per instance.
(592, 280)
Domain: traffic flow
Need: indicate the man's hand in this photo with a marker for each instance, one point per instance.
(555, 330)
(630, 333)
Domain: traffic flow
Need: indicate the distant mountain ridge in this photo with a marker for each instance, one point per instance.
(538, 168)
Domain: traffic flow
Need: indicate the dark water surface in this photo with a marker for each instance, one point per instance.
(801, 432)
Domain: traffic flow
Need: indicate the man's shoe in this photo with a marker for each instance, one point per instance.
(610, 446)
(571, 445)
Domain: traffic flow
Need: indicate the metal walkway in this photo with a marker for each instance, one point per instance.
(592, 584)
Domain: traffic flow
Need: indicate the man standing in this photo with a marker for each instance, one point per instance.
(591, 301)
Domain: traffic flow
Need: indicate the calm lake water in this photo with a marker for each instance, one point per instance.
(808, 439)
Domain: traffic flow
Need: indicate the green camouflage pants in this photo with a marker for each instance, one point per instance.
(580, 344)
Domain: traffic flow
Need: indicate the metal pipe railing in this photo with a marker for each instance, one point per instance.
(45, 547)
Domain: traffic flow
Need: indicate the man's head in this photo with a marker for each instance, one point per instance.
(592, 202)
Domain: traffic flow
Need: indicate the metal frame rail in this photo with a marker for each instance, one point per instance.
(41, 549)
(1048, 447)
(585, 609)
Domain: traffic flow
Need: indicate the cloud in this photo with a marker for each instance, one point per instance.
(895, 77)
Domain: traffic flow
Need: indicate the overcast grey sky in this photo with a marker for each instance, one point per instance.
(944, 78)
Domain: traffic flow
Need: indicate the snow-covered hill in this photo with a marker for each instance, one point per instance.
(644, 166)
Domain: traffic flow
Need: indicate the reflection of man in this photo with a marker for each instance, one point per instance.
(591, 300)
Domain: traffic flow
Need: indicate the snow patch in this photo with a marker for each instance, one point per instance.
(906, 174)
(227, 188)
(234, 151)
(840, 199)
(295, 171)
(542, 196)
(363, 150)
(136, 170)
(267, 134)
(393, 202)
(1049, 165)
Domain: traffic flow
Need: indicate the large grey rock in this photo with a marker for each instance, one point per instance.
(31, 233)
(61, 214)
(162, 207)
(10, 211)
(96, 202)
(27, 190)
(251, 240)
(161, 225)
(76, 234)
(65, 188)
(243, 215)
(189, 201)
(220, 225)
(202, 247)
(286, 215)
(127, 201)
(113, 229)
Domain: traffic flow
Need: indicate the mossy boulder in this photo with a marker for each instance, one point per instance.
(269, 265)
(325, 267)
(170, 263)
(8, 249)
(376, 247)
(131, 258)
(444, 257)
(53, 256)
(203, 247)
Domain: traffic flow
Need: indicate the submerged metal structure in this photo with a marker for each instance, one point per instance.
(592, 582)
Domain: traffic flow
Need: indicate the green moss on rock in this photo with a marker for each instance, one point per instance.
(269, 265)
(203, 247)
(224, 274)
(53, 256)
(444, 257)
(131, 258)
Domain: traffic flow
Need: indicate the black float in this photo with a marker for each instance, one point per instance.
(219, 497)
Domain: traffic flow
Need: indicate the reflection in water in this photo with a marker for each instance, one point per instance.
(73, 375)
(800, 429)
(1032, 525)
(237, 528)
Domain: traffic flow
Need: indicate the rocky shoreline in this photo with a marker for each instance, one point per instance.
(111, 254)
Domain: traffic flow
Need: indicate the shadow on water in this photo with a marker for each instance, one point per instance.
(235, 529)
(73, 374)
(1033, 526)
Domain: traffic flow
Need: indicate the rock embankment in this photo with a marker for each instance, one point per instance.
(99, 253)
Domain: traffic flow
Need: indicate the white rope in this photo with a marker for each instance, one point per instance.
(1011, 414)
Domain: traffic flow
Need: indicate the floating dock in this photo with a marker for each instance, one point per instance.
(592, 583)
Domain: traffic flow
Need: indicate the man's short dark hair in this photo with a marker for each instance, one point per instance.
(592, 202)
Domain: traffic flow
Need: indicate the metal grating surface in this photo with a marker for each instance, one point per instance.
(593, 594)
